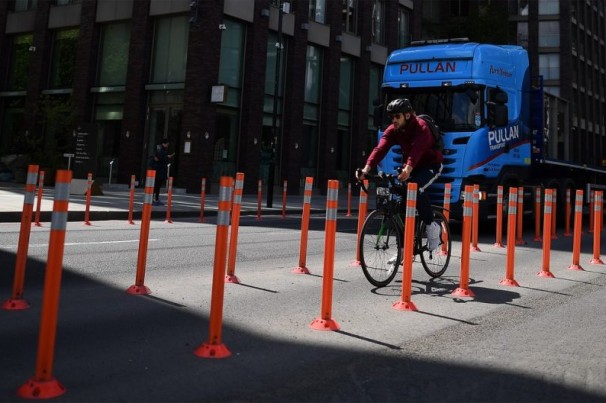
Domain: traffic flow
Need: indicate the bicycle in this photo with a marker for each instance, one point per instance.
(382, 232)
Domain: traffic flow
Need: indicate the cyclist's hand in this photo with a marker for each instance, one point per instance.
(360, 174)
(404, 174)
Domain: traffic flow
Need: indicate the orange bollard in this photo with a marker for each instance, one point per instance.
(202, 198)
(39, 200)
(16, 302)
(567, 215)
(447, 192)
(520, 217)
(302, 269)
(43, 385)
(169, 200)
(230, 277)
(259, 192)
(405, 303)
(578, 228)
(348, 200)
(362, 208)
(325, 320)
(214, 347)
(284, 200)
(475, 219)
(139, 287)
(89, 182)
(591, 201)
(463, 289)
(131, 200)
(547, 234)
(597, 209)
(499, 237)
(554, 203)
(537, 214)
(511, 235)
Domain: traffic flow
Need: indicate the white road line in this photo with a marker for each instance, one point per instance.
(39, 245)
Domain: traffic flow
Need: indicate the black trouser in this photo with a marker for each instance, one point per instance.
(157, 185)
(423, 177)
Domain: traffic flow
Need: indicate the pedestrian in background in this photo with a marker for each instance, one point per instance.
(159, 163)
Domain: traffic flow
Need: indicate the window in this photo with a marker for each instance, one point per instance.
(311, 111)
(350, 15)
(346, 91)
(231, 62)
(549, 33)
(378, 22)
(403, 27)
(64, 58)
(24, 5)
(549, 66)
(523, 34)
(317, 9)
(115, 39)
(170, 50)
(523, 7)
(459, 8)
(549, 7)
(20, 61)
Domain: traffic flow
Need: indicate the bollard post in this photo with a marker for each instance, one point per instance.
(567, 213)
(89, 182)
(169, 199)
(537, 214)
(447, 192)
(362, 208)
(591, 202)
(511, 235)
(139, 287)
(16, 302)
(499, 237)
(475, 218)
(597, 209)
(202, 198)
(547, 234)
(131, 200)
(214, 347)
(405, 303)
(43, 385)
(325, 320)
(39, 199)
(554, 203)
(463, 289)
(230, 277)
(259, 193)
(348, 200)
(520, 217)
(578, 228)
(284, 200)
(302, 269)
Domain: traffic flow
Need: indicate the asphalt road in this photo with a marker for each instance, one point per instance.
(542, 341)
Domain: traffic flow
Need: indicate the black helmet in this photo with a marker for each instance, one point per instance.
(399, 105)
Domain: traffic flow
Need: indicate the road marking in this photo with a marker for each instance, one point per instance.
(38, 245)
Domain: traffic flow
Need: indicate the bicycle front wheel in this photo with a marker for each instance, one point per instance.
(380, 248)
(435, 262)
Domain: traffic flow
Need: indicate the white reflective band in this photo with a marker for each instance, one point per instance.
(239, 184)
(223, 218)
(59, 220)
(224, 193)
(331, 214)
(147, 198)
(62, 191)
(308, 185)
(362, 197)
(307, 199)
(149, 182)
(467, 211)
(410, 211)
(547, 209)
(332, 194)
(548, 198)
(411, 196)
(513, 209)
(238, 198)
(29, 198)
(31, 178)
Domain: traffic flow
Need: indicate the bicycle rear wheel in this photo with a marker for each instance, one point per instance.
(435, 262)
(380, 242)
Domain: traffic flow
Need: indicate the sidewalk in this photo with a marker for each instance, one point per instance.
(114, 204)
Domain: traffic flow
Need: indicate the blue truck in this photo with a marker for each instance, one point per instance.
(499, 125)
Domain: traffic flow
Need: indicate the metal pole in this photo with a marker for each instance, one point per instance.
(111, 164)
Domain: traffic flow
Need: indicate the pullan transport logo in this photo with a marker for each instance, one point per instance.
(500, 71)
(428, 67)
(499, 137)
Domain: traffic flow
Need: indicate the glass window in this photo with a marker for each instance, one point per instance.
(403, 27)
(317, 10)
(20, 61)
(549, 33)
(311, 111)
(549, 7)
(523, 7)
(64, 58)
(170, 50)
(115, 39)
(231, 62)
(313, 73)
(549, 66)
(523, 34)
(346, 90)
(24, 5)
(350, 15)
(378, 22)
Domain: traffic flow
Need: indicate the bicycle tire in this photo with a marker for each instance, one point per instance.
(435, 262)
(380, 240)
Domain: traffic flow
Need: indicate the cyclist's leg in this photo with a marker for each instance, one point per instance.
(424, 176)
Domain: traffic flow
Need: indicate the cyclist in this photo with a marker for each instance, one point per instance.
(422, 162)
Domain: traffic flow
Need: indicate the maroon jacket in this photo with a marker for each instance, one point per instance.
(416, 141)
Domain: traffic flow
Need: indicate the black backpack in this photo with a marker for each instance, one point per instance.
(435, 130)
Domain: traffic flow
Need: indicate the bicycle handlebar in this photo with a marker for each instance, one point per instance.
(381, 175)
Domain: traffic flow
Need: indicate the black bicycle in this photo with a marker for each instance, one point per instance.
(381, 238)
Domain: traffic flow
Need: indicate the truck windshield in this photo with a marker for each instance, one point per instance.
(453, 108)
